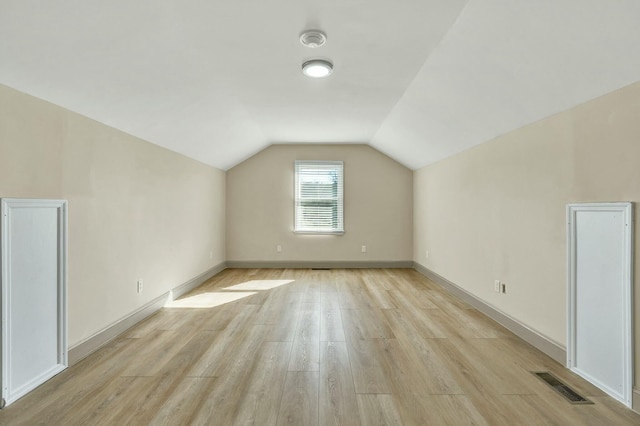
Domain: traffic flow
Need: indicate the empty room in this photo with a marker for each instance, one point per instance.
(294, 212)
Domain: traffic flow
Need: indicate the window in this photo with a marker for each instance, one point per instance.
(319, 197)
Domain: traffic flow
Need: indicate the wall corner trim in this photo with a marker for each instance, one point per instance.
(91, 344)
(537, 340)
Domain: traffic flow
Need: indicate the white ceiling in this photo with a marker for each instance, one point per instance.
(218, 80)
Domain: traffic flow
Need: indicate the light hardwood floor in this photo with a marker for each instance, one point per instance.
(350, 347)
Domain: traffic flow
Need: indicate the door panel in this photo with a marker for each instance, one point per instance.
(34, 293)
(600, 296)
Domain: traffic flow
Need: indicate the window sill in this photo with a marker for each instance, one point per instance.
(319, 232)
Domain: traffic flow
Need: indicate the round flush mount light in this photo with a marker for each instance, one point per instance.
(317, 68)
(313, 38)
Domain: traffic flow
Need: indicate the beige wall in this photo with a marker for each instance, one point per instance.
(494, 212)
(498, 211)
(378, 207)
(135, 210)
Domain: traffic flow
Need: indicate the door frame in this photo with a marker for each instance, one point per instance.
(9, 395)
(626, 209)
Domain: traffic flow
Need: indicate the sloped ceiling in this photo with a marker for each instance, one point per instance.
(218, 80)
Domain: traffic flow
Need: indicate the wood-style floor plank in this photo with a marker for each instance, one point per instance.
(223, 343)
(448, 410)
(261, 404)
(338, 401)
(331, 328)
(323, 347)
(179, 408)
(299, 403)
(378, 409)
(232, 386)
(305, 354)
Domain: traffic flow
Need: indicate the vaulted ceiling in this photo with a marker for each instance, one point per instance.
(218, 80)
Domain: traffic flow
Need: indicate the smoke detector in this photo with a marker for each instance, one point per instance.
(313, 38)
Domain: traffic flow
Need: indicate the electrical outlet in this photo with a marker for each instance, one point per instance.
(496, 286)
(279, 248)
(503, 289)
(364, 249)
(426, 254)
(140, 286)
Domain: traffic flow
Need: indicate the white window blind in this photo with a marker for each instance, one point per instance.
(319, 197)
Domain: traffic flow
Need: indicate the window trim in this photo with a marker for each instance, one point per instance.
(295, 198)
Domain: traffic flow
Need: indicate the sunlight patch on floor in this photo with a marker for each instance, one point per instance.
(209, 300)
(225, 295)
(256, 285)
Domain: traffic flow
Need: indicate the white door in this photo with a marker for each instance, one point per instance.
(600, 346)
(34, 344)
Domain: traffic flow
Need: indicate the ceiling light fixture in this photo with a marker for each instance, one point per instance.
(317, 68)
(313, 38)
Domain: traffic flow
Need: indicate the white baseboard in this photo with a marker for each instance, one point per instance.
(530, 336)
(303, 264)
(91, 344)
(195, 282)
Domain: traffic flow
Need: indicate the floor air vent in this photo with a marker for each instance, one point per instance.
(564, 390)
